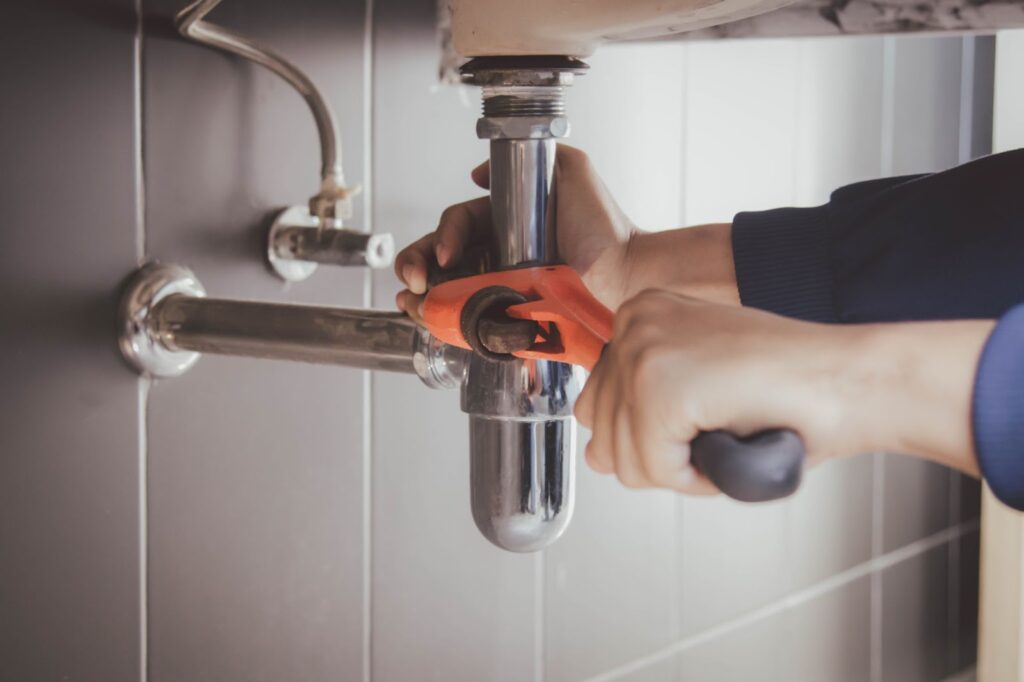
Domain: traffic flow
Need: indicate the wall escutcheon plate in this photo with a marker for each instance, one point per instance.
(139, 345)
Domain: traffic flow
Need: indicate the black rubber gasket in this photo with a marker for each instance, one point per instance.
(489, 302)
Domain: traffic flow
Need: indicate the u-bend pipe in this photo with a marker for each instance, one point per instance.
(521, 429)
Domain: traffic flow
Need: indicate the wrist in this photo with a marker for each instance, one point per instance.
(694, 261)
(906, 388)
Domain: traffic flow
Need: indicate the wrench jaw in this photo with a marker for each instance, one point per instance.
(488, 330)
(485, 313)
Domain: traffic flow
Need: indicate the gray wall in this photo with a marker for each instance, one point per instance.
(268, 521)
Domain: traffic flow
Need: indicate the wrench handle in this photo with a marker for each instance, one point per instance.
(758, 468)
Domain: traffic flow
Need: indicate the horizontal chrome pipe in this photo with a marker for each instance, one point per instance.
(333, 246)
(166, 321)
(366, 339)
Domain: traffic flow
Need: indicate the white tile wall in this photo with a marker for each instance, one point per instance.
(310, 523)
(649, 585)
(609, 582)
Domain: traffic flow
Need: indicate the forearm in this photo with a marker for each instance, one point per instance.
(694, 261)
(907, 387)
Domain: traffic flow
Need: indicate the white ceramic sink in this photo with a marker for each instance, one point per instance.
(576, 27)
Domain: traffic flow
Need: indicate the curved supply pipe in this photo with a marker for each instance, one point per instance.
(191, 24)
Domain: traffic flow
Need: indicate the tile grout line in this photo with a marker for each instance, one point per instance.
(877, 550)
(864, 569)
(143, 383)
(886, 163)
(539, 563)
(684, 166)
(888, 104)
(368, 394)
(675, 586)
(966, 114)
(964, 147)
(139, 176)
(142, 410)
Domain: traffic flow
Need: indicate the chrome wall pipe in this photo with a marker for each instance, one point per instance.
(167, 322)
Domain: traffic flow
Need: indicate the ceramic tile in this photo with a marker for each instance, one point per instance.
(915, 618)
(256, 468)
(69, 430)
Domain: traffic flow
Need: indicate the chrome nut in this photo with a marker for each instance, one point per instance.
(522, 127)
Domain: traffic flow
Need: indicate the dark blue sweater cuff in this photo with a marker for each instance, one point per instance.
(998, 408)
(782, 262)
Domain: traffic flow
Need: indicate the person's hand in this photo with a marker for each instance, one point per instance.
(593, 234)
(677, 366)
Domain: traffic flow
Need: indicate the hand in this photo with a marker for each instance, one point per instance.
(593, 234)
(678, 366)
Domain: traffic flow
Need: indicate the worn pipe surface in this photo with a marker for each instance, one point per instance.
(366, 339)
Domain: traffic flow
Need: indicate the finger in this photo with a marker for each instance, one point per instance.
(602, 442)
(585, 411)
(411, 304)
(662, 437)
(482, 175)
(460, 225)
(570, 158)
(666, 465)
(700, 486)
(584, 408)
(627, 465)
(411, 263)
(598, 465)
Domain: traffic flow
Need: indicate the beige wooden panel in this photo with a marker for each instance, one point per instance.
(1001, 638)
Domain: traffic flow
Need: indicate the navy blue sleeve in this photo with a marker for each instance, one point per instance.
(948, 245)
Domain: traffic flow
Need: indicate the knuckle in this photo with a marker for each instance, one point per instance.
(628, 315)
(647, 370)
(452, 216)
(659, 474)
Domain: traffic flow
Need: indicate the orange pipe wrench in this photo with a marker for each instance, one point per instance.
(547, 313)
(571, 325)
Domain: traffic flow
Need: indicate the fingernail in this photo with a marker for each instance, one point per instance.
(407, 274)
(419, 310)
(442, 255)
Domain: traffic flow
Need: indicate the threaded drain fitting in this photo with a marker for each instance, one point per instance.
(523, 101)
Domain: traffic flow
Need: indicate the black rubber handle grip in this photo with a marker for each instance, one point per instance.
(765, 466)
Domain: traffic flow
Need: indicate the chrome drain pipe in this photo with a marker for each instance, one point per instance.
(521, 429)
